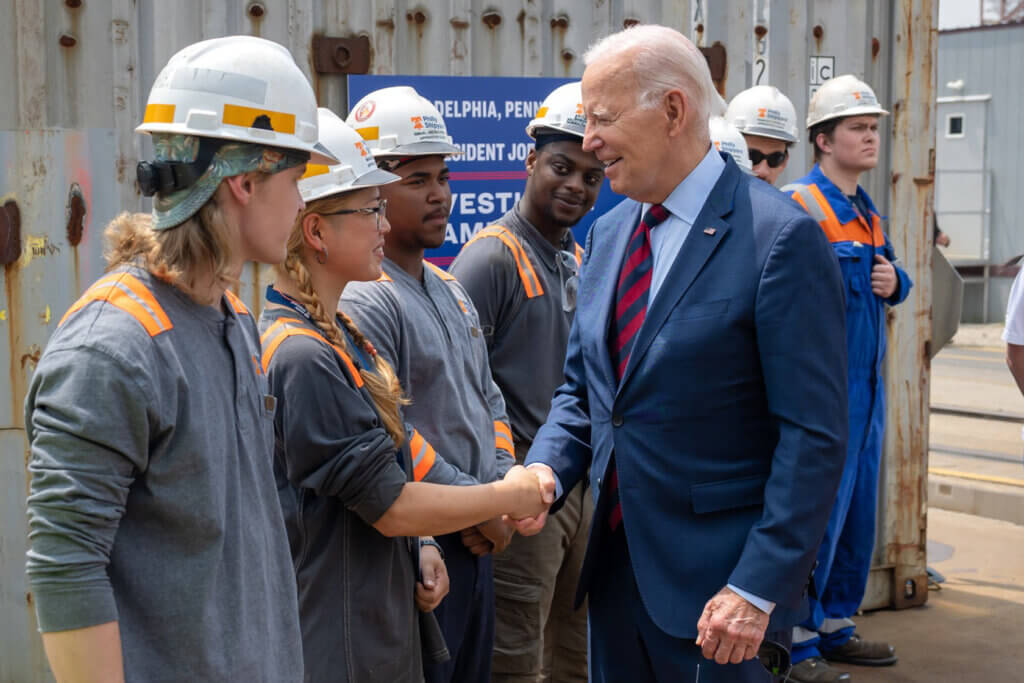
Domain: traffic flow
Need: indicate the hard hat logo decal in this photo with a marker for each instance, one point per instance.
(856, 95)
(365, 110)
(579, 109)
(417, 122)
(718, 145)
(762, 112)
(362, 149)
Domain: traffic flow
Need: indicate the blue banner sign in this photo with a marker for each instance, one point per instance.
(486, 117)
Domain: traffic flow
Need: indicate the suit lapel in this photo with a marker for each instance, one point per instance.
(707, 232)
(608, 279)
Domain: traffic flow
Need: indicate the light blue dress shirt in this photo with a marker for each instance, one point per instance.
(684, 205)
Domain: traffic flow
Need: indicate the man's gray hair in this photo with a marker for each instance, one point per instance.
(661, 59)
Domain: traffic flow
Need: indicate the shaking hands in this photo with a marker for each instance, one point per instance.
(530, 521)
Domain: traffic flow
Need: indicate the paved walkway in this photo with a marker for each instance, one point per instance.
(973, 628)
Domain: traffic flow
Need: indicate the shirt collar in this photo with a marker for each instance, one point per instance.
(689, 197)
(841, 204)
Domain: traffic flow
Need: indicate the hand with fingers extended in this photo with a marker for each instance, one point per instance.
(433, 584)
(730, 629)
(530, 525)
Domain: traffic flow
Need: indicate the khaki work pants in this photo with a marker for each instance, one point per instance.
(538, 637)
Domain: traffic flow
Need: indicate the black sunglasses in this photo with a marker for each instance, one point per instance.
(774, 159)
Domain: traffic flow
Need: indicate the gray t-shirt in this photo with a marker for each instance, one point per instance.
(152, 499)
(526, 335)
(430, 333)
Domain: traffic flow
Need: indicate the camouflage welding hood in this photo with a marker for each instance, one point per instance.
(233, 158)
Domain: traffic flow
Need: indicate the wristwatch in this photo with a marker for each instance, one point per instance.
(426, 540)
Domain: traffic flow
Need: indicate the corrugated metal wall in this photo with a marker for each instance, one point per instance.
(988, 61)
(76, 75)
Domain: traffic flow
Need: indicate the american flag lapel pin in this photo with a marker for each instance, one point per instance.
(709, 231)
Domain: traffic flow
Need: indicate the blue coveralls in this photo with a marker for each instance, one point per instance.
(844, 558)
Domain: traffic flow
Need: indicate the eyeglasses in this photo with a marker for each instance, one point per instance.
(367, 211)
(569, 271)
(775, 159)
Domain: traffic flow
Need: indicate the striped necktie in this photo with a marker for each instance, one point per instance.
(630, 309)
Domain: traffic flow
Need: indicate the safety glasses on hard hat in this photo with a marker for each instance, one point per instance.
(775, 159)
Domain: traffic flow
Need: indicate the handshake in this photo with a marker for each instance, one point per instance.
(534, 492)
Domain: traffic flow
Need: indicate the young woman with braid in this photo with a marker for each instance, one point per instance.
(357, 484)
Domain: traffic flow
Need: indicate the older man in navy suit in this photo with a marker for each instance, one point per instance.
(704, 383)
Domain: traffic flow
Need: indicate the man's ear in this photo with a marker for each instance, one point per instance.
(241, 187)
(531, 161)
(677, 111)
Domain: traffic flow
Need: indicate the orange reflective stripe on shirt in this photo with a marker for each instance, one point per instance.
(236, 303)
(856, 230)
(282, 329)
(503, 436)
(444, 275)
(125, 291)
(579, 255)
(423, 456)
(528, 276)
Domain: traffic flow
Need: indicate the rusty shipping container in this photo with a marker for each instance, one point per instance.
(76, 74)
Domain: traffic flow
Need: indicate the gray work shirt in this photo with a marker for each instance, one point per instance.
(526, 336)
(430, 332)
(152, 499)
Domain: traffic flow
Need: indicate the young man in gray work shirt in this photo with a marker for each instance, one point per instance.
(521, 273)
(425, 325)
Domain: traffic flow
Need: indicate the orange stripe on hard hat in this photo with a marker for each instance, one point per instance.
(503, 436)
(280, 122)
(159, 113)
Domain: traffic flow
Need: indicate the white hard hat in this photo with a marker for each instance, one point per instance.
(561, 111)
(726, 138)
(763, 110)
(356, 170)
(238, 88)
(840, 97)
(718, 105)
(398, 121)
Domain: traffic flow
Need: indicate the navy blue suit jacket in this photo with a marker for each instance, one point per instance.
(729, 427)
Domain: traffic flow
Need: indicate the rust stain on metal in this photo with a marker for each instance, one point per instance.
(387, 23)
(491, 19)
(458, 23)
(418, 17)
(818, 32)
(896, 177)
(876, 47)
(28, 598)
(700, 28)
(67, 40)
(10, 232)
(34, 352)
(75, 210)
(631, 21)
(760, 31)
(256, 10)
(568, 55)
(341, 55)
(73, 4)
(560, 22)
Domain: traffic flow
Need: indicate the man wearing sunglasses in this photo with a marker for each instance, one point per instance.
(767, 120)
(522, 274)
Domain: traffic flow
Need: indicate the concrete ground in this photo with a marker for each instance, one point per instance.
(971, 629)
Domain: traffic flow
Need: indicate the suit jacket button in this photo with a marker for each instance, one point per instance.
(616, 420)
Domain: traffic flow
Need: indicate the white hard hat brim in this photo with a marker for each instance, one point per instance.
(418, 149)
(846, 113)
(374, 178)
(317, 152)
(534, 130)
(773, 133)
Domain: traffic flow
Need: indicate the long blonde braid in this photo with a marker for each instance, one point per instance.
(381, 381)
